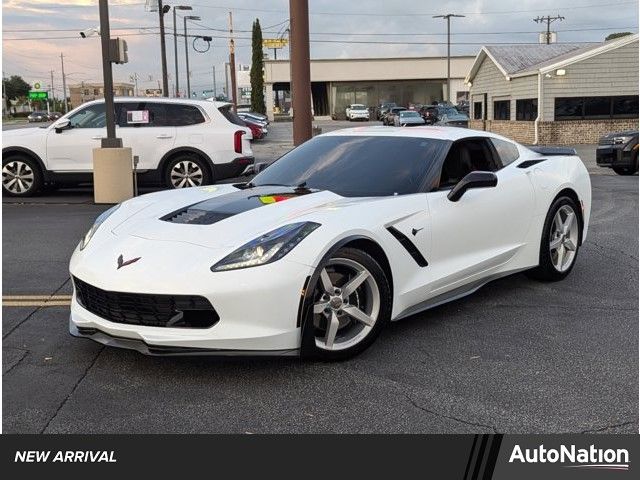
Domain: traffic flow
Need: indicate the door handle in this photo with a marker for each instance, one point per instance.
(164, 135)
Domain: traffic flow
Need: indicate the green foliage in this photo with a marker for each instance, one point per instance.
(15, 87)
(612, 36)
(257, 69)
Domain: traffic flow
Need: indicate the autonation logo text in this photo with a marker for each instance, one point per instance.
(573, 457)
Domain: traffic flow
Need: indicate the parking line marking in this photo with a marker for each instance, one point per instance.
(36, 300)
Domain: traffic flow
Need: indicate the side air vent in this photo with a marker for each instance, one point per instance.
(409, 246)
(194, 216)
(530, 163)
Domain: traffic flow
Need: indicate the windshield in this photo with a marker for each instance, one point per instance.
(448, 111)
(357, 166)
(358, 107)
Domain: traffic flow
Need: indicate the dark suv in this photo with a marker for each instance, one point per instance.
(619, 151)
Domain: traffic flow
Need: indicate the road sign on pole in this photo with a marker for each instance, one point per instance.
(43, 96)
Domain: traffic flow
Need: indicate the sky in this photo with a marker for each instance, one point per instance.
(32, 31)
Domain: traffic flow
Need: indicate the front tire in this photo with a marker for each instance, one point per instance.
(560, 241)
(21, 176)
(349, 306)
(187, 170)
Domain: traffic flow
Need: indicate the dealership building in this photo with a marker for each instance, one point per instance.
(558, 93)
(336, 83)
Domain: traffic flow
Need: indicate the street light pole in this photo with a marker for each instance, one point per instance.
(163, 49)
(105, 38)
(448, 17)
(175, 43)
(186, 51)
(300, 71)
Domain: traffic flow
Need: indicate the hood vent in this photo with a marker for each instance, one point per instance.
(192, 216)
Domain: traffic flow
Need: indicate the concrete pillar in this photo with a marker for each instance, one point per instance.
(268, 100)
(112, 175)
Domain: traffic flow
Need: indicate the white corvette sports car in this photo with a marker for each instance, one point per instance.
(351, 230)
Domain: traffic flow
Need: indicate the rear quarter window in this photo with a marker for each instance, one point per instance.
(507, 151)
(231, 115)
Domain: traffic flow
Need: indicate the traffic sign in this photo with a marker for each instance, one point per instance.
(274, 42)
(38, 95)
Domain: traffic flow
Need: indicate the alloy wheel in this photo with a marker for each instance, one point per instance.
(186, 173)
(346, 306)
(17, 177)
(563, 239)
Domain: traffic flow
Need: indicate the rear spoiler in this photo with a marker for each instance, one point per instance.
(550, 151)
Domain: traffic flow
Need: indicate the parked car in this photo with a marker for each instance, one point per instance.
(463, 106)
(258, 129)
(357, 111)
(429, 113)
(384, 108)
(179, 143)
(38, 117)
(54, 115)
(253, 116)
(408, 118)
(315, 258)
(619, 151)
(389, 118)
(450, 117)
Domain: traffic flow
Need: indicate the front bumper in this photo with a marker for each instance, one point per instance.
(258, 309)
(359, 116)
(613, 156)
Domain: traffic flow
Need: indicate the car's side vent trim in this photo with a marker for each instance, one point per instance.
(409, 246)
(530, 163)
(301, 305)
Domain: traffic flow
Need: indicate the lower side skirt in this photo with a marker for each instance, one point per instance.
(168, 351)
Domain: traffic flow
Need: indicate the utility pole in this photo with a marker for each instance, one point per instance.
(64, 84)
(548, 20)
(163, 49)
(134, 78)
(214, 83)
(232, 64)
(53, 94)
(300, 71)
(226, 80)
(175, 43)
(448, 17)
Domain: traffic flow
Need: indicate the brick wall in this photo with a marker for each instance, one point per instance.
(569, 132)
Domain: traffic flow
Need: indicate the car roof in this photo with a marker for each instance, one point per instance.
(182, 101)
(435, 132)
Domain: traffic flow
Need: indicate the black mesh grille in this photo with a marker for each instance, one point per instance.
(175, 311)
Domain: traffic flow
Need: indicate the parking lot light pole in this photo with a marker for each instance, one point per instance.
(162, 9)
(448, 17)
(186, 50)
(105, 38)
(300, 71)
(175, 41)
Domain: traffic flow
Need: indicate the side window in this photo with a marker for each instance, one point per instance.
(141, 114)
(183, 115)
(464, 157)
(92, 116)
(507, 151)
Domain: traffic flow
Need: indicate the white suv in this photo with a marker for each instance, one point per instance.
(179, 143)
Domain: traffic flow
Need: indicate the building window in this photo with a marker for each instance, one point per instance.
(477, 110)
(585, 108)
(502, 110)
(527, 109)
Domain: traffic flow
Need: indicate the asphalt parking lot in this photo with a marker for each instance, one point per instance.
(517, 356)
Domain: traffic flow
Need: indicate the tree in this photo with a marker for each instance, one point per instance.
(257, 67)
(612, 36)
(15, 87)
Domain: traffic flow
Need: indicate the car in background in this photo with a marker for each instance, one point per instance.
(429, 114)
(258, 129)
(408, 118)
(389, 118)
(619, 151)
(38, 117)
(450, 117)
(54, 115)
(384, 108)
(357, 111)
(255, 117)
(179, 143)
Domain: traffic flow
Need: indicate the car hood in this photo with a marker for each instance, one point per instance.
(227, 217)
(21, 132)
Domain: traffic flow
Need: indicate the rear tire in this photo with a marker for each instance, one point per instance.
(21, 176)
(560, 241)
(186, 170)
(349, 305)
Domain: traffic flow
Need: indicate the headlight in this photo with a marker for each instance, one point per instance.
(268, 248)
(621, 140)
(99, 221)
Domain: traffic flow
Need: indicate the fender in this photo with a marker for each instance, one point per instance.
(165, 158)
(31, 154)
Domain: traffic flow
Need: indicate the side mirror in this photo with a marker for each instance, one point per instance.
(260, 167)
(472, 180)
(62, 125)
